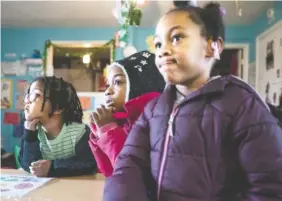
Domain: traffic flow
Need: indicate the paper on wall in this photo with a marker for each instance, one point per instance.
(35, 71)
(10, 68)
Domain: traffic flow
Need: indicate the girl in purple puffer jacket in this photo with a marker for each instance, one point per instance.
(205, 138)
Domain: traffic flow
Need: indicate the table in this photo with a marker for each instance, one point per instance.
(82, 188)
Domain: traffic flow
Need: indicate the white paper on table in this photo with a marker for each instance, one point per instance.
(19, 185)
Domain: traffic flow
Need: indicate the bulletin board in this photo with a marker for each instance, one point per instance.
(89, 102)
(6, 93)
(21, 90)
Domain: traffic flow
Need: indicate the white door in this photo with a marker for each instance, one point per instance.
(269, 64)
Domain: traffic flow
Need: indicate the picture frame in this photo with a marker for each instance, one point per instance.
(6, 93)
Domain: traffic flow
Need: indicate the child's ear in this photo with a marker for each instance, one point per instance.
(215, 48)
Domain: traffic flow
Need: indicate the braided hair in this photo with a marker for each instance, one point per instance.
(209, 18)
(62, 96)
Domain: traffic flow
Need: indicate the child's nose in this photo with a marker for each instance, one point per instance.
(109, 91)
(164, 51)
(26, 100)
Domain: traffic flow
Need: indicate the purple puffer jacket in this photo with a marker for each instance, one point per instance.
(220, 144)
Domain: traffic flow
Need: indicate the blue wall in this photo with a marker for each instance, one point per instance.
(24, 40)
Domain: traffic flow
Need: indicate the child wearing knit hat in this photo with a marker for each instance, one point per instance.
(131, 84)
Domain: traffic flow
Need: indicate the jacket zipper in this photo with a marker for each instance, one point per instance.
(169, 134)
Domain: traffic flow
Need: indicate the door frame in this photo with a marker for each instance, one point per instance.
(77, 44)
(245, 60)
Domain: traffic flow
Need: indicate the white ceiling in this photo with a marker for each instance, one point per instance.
(99, 13)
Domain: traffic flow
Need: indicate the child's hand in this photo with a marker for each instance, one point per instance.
(102, 116)
(31, 125)
(40, 168)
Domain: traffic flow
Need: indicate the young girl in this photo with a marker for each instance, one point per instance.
(55, 142)
(204, 138)
(132, 83)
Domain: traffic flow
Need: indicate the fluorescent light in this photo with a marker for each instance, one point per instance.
(86, 59)
(87, 45)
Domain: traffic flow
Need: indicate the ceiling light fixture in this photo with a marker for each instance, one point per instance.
(87, 45)
(86, 59)
(141, 3)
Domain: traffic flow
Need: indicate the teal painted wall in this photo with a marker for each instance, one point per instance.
(24, 40)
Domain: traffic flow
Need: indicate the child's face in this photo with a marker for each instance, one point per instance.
(33, 103)
(180, 49)
(116, 88)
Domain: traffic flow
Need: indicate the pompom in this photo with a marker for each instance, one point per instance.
(222, 11)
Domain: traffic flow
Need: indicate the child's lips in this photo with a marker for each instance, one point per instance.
(167, 61)
(109, 103)
(26, 112)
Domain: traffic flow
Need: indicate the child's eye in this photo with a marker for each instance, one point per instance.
(158, 45)
(117, 82)
(176, 38)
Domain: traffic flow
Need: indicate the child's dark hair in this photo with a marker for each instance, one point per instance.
(62, 96)
(209, 18)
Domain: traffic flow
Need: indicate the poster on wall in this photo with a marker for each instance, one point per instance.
(85, 102)
(269, 55)
(8, 68)
(91, 100)
(21, 90)
(267, 93)
(35, 71)
(34, 66)
(22, 86)
(6, 93)
(19, 102)
(276, 93)
(273, 92)
(11, 118)
(22, 69)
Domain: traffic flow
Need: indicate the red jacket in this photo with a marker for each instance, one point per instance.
(106, 148)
